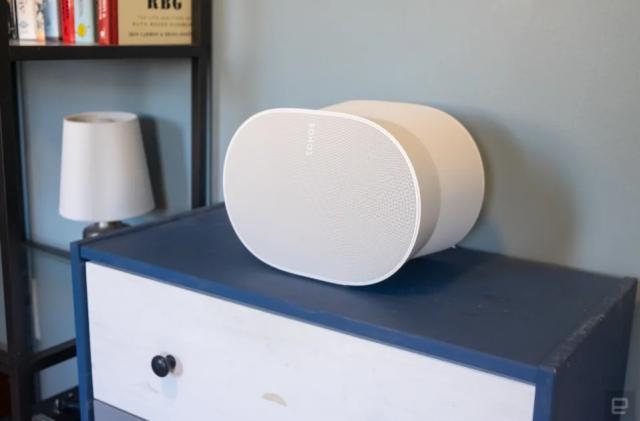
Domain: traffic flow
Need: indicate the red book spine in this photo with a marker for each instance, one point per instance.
(113, 9)
(107, 22)
(67, 21)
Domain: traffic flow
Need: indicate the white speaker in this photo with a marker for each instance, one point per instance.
(349, 193)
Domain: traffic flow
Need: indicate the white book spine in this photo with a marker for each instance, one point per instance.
(84, 12)
(52, 19)
(39, 6)
(26, 13)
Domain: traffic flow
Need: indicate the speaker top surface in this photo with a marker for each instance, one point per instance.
(322, 194)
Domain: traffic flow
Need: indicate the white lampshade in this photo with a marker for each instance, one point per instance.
(104, 174)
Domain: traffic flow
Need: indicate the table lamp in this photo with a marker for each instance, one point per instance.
(104, 176)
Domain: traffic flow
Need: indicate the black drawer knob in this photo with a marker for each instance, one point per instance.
(163, 365)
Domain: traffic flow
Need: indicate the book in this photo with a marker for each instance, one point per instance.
(154, 22)
(13, 22)
(83, 17)
(66, 21)
(30, 19)
(40, 32)
(107, 22)
(52, 19)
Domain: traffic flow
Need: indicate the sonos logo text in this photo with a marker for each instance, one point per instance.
(311, 138)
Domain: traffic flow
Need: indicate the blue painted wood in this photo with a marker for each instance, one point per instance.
(85, 392)
(500, 314)
(545, 388)
(591, 369)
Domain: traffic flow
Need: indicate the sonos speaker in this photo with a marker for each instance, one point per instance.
(347, 194)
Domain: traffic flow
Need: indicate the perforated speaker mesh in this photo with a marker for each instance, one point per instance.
(328, 197)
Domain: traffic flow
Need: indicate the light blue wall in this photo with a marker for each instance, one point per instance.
(550, 90)
(157, 90)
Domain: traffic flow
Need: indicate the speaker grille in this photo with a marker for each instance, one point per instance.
(321, 195)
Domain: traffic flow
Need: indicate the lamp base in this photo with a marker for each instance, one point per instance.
(101, 228)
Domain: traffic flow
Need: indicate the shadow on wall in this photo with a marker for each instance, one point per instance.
(154, 150)
(537, 211)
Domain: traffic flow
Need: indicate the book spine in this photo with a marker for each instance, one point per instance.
(40, 33)
(107, 22)
(13, 21)
(114, 21)
(66, 18)
(26, 15)
(83, 13)
(52, 19)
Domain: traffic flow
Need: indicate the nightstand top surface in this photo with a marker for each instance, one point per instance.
(503, 314)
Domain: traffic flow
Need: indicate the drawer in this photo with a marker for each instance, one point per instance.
(239, 363)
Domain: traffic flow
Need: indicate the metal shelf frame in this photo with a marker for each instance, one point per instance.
(19, 361)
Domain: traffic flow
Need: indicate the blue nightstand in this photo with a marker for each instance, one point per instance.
(177, 320)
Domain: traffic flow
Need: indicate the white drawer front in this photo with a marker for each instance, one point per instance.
(239, 363)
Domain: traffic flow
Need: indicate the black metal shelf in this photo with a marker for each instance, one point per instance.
(61, 407)
(53, 355)
(54, 50)
(43, 359)
(61, 352)
(19, 361)
(4, 361)
(58, 252)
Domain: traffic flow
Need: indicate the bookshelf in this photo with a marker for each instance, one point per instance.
(54, 50)
(20, 359)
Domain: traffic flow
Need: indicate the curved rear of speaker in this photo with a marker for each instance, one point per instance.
(349, 193)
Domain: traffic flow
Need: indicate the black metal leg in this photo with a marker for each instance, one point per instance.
(198, 131)
(201, 19)
(16, 285)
